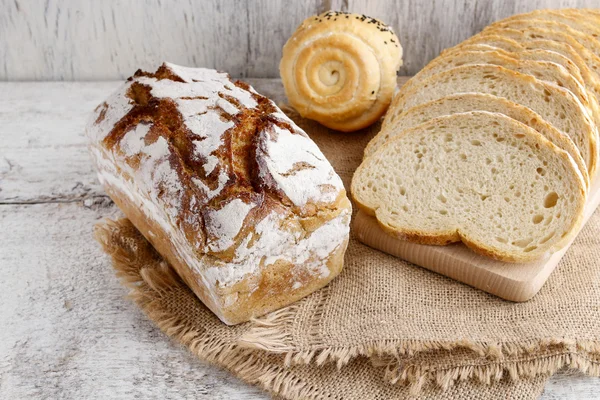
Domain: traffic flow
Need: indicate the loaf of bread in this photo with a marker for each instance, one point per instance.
(239, 200)
(453, 179)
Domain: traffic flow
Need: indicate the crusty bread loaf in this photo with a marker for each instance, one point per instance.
(460, 103)
(556, 105)
(477, 177)
(229, 190)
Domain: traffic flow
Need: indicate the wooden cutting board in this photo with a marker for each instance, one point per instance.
(516, 282)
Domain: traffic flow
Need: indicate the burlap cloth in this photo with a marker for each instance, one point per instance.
(384, 328)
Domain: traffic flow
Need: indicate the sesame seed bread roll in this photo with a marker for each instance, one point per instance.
(235, 196)
(340, 69)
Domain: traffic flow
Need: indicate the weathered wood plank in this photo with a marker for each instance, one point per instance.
(91, 40)
(43, 154)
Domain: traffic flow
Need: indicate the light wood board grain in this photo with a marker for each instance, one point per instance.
(92, 40)
(68, 330)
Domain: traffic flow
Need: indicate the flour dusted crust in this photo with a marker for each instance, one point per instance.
(340, 69)
(227, 188)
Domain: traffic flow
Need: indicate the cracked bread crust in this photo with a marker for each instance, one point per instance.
(227, 188)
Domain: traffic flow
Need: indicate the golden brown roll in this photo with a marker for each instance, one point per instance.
(340, 69)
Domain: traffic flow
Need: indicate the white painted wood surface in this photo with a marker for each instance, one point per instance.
(110, 39)
(68, 331)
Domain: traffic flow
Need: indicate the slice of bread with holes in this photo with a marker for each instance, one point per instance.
(543, 70)
(543, 64)
(556, 105)
(460, 103)
(523, 42)
(530, 54)
(558, 17)
(481, 178)
(535, 32)
(516, 41)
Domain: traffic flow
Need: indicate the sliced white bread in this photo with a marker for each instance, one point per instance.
(589, 15)
(526, 41)
(562, 33)
(521, 53)
(464, 102)
(480, 178)
(576, 20)
(543, 70)
(556, 105)
(541, 38)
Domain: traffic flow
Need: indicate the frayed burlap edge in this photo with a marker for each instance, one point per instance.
(146, 288)
(526, 367)
(522, 360)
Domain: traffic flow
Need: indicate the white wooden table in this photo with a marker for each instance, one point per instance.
(67, 330)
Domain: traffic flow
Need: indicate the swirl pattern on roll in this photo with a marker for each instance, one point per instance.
(340, 69)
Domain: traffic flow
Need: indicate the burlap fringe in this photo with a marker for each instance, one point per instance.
(149, 284)
(269, 334)
(419, 377)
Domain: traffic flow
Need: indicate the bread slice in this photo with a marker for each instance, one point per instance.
(556, 105)
(578, 21)
(478, 177)
(543, 70)
(540, 38)
(555, 31)
(526, 41)
(521, 53)
(589, 15)
(460, 103)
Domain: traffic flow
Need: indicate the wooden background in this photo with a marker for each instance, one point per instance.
(110, 39)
